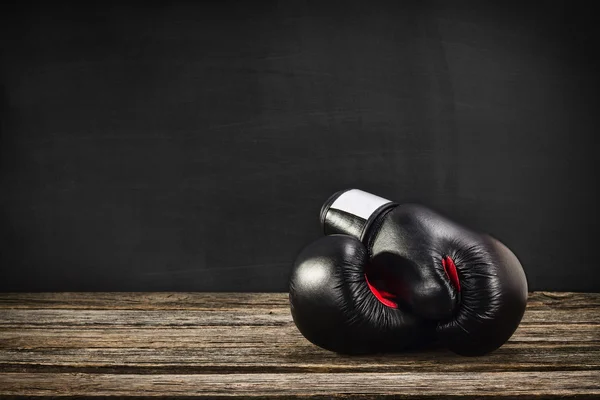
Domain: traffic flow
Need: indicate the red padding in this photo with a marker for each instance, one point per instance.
(384, 297)
(451, 272)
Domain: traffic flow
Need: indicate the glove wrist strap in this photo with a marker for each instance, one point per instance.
(352, 212)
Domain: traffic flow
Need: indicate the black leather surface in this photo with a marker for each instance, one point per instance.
(334, 308)
(412, 242)
(339, 221)
(409, 245)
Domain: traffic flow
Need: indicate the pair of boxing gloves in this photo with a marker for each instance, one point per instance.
(388, 277)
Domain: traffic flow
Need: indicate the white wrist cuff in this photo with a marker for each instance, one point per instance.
(359, 203)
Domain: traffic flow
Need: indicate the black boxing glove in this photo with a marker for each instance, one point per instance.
(335, 307)
(470, 283)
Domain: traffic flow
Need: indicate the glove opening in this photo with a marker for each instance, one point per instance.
(381, 286)
(451, 273)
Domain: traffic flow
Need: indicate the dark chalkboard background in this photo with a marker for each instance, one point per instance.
(189, 145)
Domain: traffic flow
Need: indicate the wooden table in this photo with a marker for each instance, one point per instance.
(213, 345)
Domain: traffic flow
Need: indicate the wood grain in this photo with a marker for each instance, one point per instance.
(231, 344)
(481, 384)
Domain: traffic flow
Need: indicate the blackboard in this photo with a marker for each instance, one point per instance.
(189, 145)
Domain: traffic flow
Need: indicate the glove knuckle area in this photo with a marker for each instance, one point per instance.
(333, 307)
(492, 299)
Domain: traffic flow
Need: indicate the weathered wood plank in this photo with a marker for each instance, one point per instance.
(143, 300)
(272, 348)
(185, 354)
(563, 300)
(561, 316)
(203, 301)
(242, 336)
(233, 360)
(398, 385)
(25, 319)
(275, 316)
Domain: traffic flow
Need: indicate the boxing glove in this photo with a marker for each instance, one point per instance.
(335, 307)
(471, 284)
